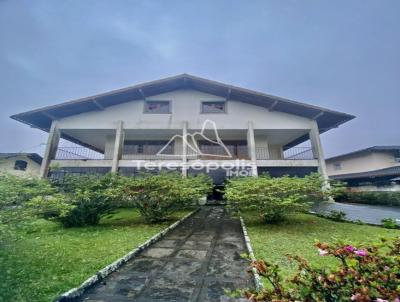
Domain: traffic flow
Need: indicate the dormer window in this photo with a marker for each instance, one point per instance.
(157, 107)
(213, 107)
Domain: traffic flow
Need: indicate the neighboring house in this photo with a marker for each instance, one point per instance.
(371, 169)
(155, 123)
(20, 164)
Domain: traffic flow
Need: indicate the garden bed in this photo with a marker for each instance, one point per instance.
(47, 260)
(299, 232)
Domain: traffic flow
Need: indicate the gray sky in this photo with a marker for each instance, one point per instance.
(343, 55)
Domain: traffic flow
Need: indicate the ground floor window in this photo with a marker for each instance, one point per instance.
(20, 165)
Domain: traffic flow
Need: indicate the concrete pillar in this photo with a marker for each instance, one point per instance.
(252, 148)
(118, 146)
(51, 149)
(280, 153)
(184, 149)
(317, 149)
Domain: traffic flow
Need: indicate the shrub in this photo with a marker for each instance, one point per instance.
(389, 223)
(336, 215)
(274, 198)
(83, 201)
(157, 196)
(15, 191)
(368, 273)
(372, 198)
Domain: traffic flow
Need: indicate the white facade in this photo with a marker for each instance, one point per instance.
(270, 131)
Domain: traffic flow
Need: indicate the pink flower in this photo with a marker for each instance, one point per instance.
(396, 300)
(350, 248)
(361, 253)
(322, 252)
(381, 300)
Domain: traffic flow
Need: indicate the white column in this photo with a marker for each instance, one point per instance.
(280, 152)
(252, 148)
(118, 145)
(51, 149)
(317, 149)
(184, 149)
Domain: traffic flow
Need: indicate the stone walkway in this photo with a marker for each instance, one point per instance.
(198, 261)
(365, 213)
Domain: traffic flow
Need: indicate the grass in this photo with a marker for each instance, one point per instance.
(297, 235)
(42, 264)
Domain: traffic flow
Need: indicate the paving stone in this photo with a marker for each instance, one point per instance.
(201, 237)
(171, 243)
(192, 254)
(183, 268)
(221, 291)
(196, 245)
(142, 266)
(157, 252)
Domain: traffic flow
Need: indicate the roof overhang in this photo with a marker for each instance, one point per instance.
(33, 156)
(394, 149)
(42, 118)
(390, 171)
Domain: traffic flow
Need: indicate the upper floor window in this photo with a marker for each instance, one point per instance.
(20, 165)
(147, 147)
(213, 107)
(157, 107)
(337, 166)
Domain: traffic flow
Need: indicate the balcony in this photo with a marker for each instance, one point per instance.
(209, 152)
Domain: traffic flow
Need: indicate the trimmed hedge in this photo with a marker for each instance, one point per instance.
(372, 198)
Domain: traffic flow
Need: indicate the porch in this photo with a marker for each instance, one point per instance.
(126, 149)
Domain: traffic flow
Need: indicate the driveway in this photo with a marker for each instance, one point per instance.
(198, 261)
(365, 213)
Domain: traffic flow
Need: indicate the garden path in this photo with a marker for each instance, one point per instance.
(197, 261)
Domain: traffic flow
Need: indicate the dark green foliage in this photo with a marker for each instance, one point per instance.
(336, 215)
(274, 198)
(372, 198)
(83, 200)
(157, 196)
(14, 191)
(389, 223)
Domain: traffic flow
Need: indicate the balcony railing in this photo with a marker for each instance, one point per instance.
(295, 153)
(208, 153)
(77, 153)
(299, 153)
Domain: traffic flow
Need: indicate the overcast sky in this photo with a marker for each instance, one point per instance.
(343, 55)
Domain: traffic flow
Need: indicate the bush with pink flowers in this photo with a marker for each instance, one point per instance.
(365, 274)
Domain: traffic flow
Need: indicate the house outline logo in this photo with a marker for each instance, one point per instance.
(190, 141)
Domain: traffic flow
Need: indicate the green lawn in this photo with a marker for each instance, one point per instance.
(50, 259)
(297, 236)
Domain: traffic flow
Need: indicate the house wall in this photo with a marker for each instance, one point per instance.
(186, 106)
(372, 188)
(361, 163)
(7, 165)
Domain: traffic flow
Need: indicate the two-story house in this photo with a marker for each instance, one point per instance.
(371, 169)
(186, 123)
